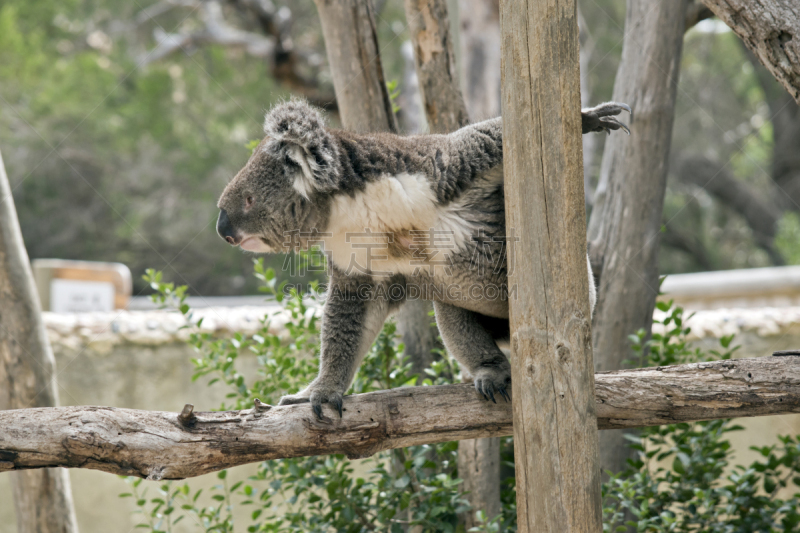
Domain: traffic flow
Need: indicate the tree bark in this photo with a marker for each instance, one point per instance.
(555, 437)
(436, 65)
(351, 41)
(409, 116)
(161, 445)
(445, 111)
(43, 498)
(771, 30)
(480, 57)
(626, 220)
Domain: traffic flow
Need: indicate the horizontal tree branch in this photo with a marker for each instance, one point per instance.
(162, 445)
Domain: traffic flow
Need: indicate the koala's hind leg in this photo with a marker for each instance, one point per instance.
(601, 118)
(473, 346)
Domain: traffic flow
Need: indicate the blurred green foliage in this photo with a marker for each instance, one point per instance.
(788, 239)
(721, 114)
(112, 160)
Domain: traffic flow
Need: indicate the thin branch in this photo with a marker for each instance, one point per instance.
(761, 216)
(274, 44)
(158, 445)
(160, 8)
(215, 31)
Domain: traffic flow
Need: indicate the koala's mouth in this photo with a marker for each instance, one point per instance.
(254, 244)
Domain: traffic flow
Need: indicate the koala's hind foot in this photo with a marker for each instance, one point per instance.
(600, 118)
(316, 395)
(493, 379)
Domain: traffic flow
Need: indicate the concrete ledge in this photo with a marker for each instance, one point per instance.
(102, 331)
(753, 287)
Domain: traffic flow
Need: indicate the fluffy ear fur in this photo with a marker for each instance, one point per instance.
(297, 130)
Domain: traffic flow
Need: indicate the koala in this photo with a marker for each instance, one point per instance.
(399, 217)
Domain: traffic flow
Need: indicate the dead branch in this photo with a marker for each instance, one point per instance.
(274, 44)
(162, 445)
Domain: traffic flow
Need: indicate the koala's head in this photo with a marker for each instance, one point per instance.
(286, 185)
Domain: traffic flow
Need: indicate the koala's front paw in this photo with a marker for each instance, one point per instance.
(600, 118)
(317, 395)
(489, 380)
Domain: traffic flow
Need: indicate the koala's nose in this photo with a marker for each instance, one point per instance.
(225, 228)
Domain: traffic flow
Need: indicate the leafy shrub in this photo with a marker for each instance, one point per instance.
(698, 492)
(418, 486)
(413, 486)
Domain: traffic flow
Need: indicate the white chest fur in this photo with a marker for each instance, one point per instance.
(394, 226)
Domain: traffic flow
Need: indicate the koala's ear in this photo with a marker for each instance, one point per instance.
(297, 131)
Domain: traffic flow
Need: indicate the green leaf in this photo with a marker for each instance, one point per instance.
(402, 482)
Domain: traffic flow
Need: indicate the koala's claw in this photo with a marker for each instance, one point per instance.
(335, 399)
(489, 380)
(338, 403)
(600, 118)
(317, 398)
(504, 393)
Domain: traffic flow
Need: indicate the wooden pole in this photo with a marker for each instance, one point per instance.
(43, 498)
(162, 445)
(555, 427)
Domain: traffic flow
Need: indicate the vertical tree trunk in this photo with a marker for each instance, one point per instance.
(445, 111)
(555, 436)
(351, 41)
(436, 65)
(626, 220)
(42, 498)
(409, 101)
(480, 57)
(479, 468)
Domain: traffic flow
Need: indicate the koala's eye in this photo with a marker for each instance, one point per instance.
(248, 202)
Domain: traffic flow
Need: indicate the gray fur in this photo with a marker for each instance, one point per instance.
(319, 184)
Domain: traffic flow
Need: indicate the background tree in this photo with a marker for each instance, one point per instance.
(42, 498)
(625, 224)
